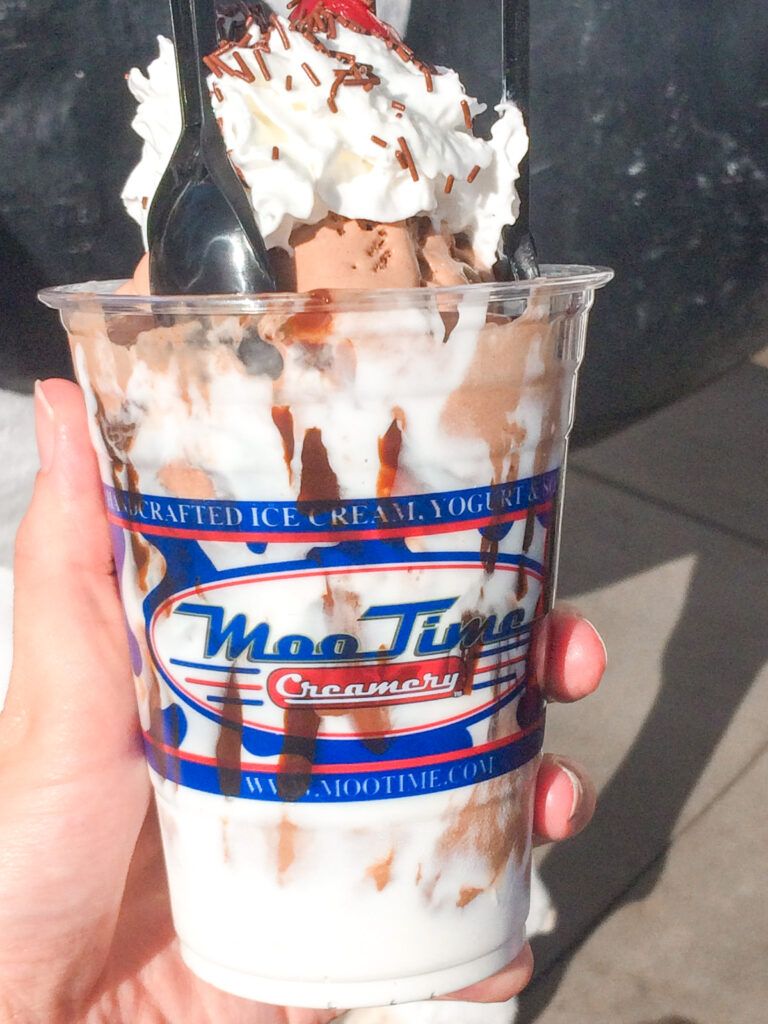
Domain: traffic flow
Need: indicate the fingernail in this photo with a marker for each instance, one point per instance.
(572, 610)
(597, 633)
(45, 428)
(576, 787)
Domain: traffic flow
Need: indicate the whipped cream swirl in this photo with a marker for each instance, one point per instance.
(398, 145)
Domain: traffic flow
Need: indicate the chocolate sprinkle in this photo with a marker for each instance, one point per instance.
(262, 66)
(215, 64)
(245, 72)
(339, 75)
(411, 166)
(280, 31)
(310, 74)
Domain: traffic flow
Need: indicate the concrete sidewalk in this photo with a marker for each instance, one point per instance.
(662, 902)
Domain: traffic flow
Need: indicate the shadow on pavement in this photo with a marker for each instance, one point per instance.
(710, 662)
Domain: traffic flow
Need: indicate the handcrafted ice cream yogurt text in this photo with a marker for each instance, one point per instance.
(368, 701)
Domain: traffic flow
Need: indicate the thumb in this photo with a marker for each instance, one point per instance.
(73, 788)
(71, 685)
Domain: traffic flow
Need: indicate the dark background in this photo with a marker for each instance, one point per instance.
(649, 155)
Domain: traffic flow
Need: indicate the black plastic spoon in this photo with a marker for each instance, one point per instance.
(518, 257)
(203, 238)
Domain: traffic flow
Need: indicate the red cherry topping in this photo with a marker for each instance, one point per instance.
(356, 11)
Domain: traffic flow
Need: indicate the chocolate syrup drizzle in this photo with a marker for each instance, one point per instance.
(472, 651)
(319, 484)
(319, 491)
(390, 446)
(489, 545)
(229, 745)
(283, 420)
(118, 436)
(450, 319)
(294, 773)
(530, 526)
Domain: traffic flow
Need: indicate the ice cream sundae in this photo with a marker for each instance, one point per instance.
(334, 513)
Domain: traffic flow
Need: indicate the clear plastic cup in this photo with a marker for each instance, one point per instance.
(335, 521)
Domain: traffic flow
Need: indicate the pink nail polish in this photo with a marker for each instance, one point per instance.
(45, 428)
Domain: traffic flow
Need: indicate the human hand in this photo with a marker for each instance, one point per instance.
(85, 925)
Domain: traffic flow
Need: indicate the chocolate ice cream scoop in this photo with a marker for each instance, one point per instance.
(203, 238)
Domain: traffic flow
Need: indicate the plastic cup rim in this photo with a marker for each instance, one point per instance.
(556, 279)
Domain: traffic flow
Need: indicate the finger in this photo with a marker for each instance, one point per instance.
(70, 682)
(503, 986)
(564, 801)
(73, 789)
(569, 656)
